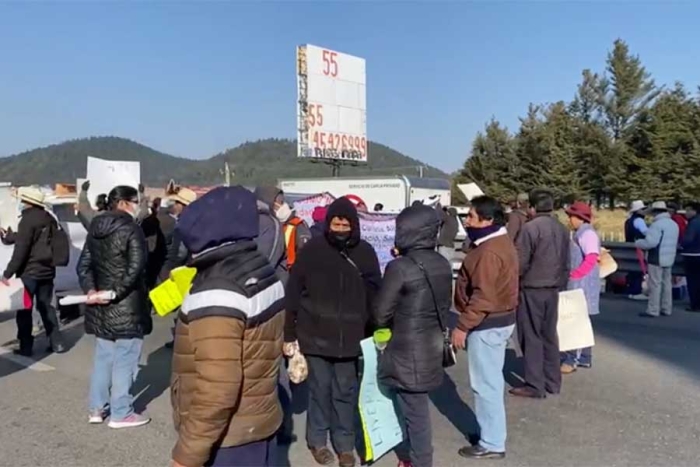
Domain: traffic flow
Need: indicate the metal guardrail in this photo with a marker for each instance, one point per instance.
(625, 254)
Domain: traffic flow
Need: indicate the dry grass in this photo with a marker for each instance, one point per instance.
(610, 225)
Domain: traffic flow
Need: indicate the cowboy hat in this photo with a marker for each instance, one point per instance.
(658, 206)
(31, 195)
(636, 206)
(183, 196)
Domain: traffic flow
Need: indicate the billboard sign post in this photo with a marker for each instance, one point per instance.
(331, 105)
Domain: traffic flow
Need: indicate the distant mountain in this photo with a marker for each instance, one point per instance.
(252, 163)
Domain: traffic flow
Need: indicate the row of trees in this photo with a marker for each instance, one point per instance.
(621, 138)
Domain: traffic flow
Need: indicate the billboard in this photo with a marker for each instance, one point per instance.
(331, 105)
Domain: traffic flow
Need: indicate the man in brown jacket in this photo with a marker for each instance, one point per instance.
(519, 216)
(228, 340)
(486, 297)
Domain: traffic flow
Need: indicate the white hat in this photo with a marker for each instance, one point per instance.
(636, 206)
(31, 195)
(183, 195)
(658, 206)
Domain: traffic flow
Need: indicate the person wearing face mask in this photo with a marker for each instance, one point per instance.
(328, 301)
(486, 297)
(32, 262)
(86, 213)
(296, 232)
(114, 259)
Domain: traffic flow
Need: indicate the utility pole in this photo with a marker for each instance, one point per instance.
(420, 170)
(227, 174)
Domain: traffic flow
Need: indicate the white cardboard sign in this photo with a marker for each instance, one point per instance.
(574, 324)
(105, 175)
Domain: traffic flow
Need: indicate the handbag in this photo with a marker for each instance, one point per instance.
(449, 356)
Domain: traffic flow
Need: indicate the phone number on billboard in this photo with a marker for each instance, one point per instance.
(336, 146)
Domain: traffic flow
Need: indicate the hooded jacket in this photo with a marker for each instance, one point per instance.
(114, 258)
(32, 256)
(271, 240)
(412, 361)
(330, 290)
(228, 340)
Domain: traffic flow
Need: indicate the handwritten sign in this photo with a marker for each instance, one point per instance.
(379, 231)
(304, 208)
(105, 175)
(376, 229)
(380, 424)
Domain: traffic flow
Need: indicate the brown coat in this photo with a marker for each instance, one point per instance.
(516, 219)
(235, 383)
(486, 293)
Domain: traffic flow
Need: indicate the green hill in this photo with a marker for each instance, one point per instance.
(252, 163)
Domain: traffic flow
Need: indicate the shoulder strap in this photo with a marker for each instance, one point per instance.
(352, 263)
(432, 291)
(278, 227)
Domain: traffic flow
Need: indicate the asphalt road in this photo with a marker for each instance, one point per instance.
(638, 406)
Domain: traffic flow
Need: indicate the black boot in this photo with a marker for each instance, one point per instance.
(25, 348)
(56, 344)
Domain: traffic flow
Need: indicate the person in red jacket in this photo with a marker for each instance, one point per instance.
(679, 219)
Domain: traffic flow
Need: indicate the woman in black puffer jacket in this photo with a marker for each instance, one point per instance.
(114, 258)
(412, 361)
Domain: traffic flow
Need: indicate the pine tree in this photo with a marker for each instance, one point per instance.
(493, 164)
(625, 93)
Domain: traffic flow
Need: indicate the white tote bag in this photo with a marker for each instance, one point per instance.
(12, 297)
(574, 325)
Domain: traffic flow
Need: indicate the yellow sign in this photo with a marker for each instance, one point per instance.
(168, 296)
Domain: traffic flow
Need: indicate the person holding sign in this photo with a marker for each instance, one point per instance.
(486, 297)
(585, 274)
(329, 294)
(414, 300)
(228, 343)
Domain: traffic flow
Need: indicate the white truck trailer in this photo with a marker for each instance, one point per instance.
(393, 192)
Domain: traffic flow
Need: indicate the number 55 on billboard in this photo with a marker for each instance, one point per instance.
(332, 105)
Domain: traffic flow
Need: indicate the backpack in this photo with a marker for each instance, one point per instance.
(60, 245)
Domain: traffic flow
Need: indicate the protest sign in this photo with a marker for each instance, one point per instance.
(304, 208)
(574, 325)
(376, 229)
(9, 207)
(105, 175)
(470, 190)
(380, 424)
(379, 231)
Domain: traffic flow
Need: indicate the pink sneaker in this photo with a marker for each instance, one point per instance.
(132, 421)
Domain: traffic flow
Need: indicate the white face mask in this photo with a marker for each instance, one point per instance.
(284, 212)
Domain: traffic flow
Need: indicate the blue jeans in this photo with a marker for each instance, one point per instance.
(580, 357)
(116, 366)
(487, 355)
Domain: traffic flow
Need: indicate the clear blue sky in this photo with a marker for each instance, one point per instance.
(193, 79)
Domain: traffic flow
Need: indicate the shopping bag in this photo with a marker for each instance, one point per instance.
(574, 325)
(606, 263)
(14, 297)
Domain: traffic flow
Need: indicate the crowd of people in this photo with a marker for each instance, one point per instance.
(268, 286)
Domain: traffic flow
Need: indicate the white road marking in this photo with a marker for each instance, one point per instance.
(24, 361)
